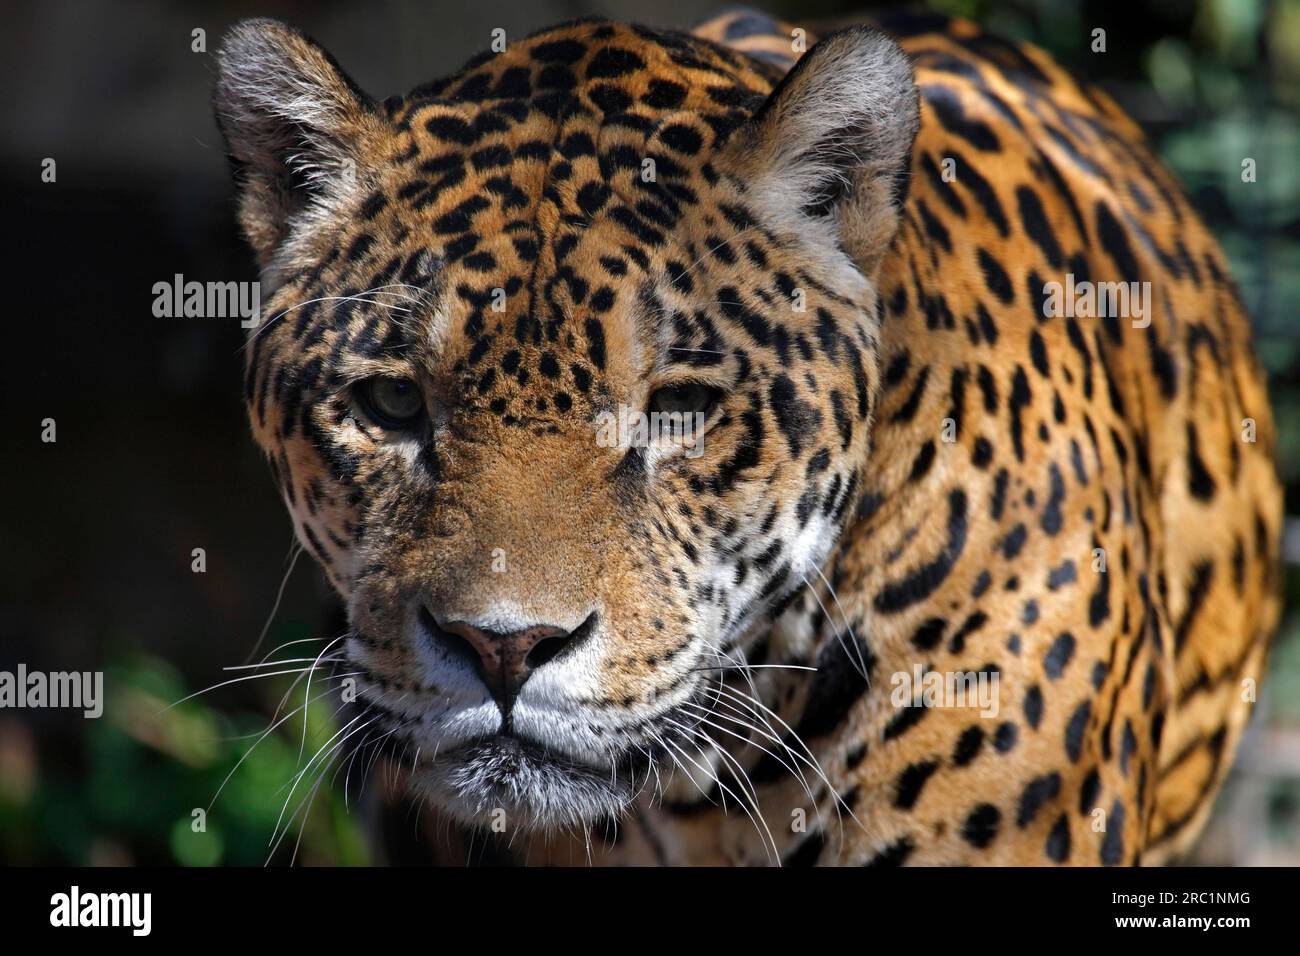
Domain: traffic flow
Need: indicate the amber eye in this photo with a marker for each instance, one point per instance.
(687, 398)
(392, 403)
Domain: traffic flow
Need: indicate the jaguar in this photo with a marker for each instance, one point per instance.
(950, 390)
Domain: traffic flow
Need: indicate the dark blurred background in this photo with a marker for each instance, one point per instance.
(153, 457)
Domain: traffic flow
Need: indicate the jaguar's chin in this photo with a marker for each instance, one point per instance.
(508, 785)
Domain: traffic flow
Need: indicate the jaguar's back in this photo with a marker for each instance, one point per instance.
(1144, 441)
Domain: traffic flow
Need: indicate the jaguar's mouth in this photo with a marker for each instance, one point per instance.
(505, 782)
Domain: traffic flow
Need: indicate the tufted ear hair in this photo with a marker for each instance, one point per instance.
(296, 128)
(828, 155)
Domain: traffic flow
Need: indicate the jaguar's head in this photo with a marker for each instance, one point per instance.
(566, 374)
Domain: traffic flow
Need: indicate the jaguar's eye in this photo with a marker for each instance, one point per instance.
(687, 398)
(392, 403)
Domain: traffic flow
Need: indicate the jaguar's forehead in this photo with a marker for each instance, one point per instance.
(531, 192)
(603, 69)
(541, 132)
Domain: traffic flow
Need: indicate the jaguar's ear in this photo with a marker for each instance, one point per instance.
(296, 129)
(828, 156)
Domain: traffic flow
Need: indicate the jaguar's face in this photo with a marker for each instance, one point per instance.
(562, 435)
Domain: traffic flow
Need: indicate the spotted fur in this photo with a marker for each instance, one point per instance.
(911, 464)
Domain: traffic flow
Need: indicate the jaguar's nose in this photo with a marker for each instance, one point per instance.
(506, 659)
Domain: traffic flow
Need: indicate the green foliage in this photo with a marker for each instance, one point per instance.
(186, 784)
